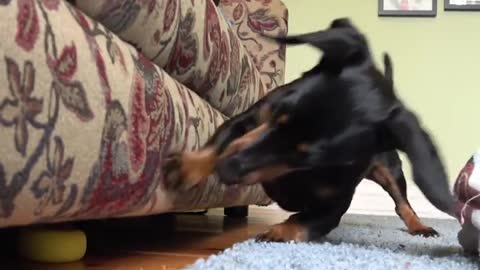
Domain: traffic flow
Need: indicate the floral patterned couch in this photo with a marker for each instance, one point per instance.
(95, 93)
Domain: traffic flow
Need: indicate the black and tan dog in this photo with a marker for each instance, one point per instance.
(310, 142)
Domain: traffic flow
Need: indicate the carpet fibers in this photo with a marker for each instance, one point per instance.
(360, 242)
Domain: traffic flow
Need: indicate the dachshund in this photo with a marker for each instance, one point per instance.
(310, 142)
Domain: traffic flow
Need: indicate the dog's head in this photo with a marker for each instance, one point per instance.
(333, 106)
(342, 111)
(324, 121)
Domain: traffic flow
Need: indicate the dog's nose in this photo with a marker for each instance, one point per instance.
(229, 170)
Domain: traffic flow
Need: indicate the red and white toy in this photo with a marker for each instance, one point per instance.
(467, 192)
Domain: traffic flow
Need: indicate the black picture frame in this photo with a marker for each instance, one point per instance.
(447, 6)
(407, 13)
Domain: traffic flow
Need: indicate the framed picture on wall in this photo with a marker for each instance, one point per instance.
(415, 8)
(465, 5)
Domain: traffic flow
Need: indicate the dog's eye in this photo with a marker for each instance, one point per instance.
(303, 148)
(283, 119)
(265, 113)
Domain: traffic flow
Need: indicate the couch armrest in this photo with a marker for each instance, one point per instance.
(249, 19)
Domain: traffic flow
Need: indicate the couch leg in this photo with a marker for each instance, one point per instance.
(236, 212)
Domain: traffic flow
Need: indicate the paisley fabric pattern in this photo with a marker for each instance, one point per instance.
(250, 19)
(192, 41)
(86, 119)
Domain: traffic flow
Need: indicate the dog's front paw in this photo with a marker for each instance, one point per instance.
(284, 232)
(186, 170)
(172, 168)
(425, 232)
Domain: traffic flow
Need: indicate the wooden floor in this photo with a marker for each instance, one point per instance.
(160, 243)
(175, 241)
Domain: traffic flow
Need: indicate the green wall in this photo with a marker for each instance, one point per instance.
(436, 64)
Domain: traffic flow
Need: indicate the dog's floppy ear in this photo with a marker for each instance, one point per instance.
(428, 170)
(341, 22)
(326, 40)
(339, 39)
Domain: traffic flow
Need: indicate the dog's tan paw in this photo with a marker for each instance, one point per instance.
(284, 232)
(425, 232)
(186, 170)
(172, 168)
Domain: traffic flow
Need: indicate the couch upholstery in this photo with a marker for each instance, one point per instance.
(193, 43)
(94, 94)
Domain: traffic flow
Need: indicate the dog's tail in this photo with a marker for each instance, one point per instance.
(387, 62)
(388, 73)
(427, 167)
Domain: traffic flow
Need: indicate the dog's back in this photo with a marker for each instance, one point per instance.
(346, 54)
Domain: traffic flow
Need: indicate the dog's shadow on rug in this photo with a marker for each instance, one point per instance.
(360, 242)
(389, 232)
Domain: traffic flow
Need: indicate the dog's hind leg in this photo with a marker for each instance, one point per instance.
(389, 175)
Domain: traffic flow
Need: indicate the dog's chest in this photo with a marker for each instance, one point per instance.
(308, 189)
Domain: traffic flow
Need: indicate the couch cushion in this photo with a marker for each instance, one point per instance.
(250, 19)
(191, 41)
